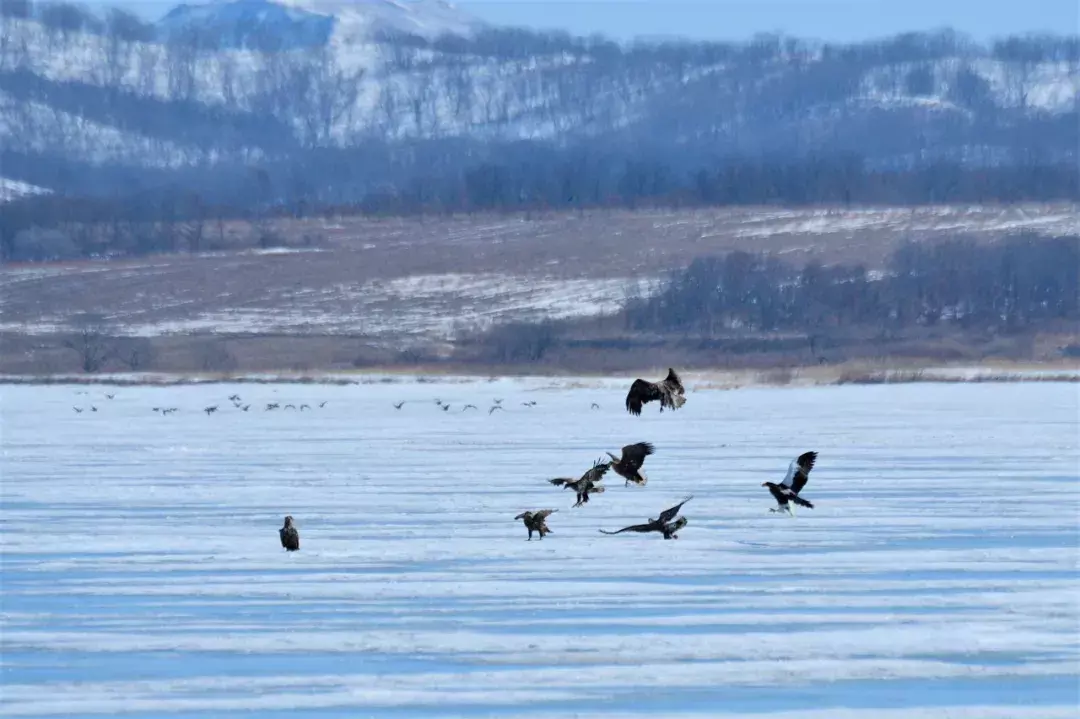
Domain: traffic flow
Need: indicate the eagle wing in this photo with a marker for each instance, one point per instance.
(633, 455)
(597, 472)
(543, 514)
(640, 393)
(800, 471)
(650, 527)
(562, 480)
(668, 514)
(673, 382)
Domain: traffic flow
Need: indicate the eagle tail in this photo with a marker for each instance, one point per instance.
(802, 502)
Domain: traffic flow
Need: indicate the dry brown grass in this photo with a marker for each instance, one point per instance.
(614, 245)
(326, 357)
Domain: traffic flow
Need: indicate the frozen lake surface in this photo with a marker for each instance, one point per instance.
(142, 574)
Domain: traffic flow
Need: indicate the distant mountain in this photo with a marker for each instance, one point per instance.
(291, 24)
(338, 99)
(247, 24)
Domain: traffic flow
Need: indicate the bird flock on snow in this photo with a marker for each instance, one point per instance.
(672, 395)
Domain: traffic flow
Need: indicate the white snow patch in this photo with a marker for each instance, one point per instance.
(438, 306)
(14, 189)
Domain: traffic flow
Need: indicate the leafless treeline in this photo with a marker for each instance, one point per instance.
(502, 82)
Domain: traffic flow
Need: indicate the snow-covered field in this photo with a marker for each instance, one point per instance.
(142, 574)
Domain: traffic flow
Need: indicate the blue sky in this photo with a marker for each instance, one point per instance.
(838, 20)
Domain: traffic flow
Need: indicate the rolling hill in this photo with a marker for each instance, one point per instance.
(93, 103)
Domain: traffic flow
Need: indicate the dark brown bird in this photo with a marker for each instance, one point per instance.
(787, 492)
(586, 485)
(629, 465)
(290, 538)
(662, 524)
(669, 391)
(537, 521)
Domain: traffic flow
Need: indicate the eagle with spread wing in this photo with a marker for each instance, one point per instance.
(662, 524)
(629, 465)
(787, 492)
(536, 521)
(669, 391)
(587, 484)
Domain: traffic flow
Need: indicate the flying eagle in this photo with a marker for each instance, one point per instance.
(586, 485)
(788, 490)
(536, 521)
(290, 538)
(662, 524)
(629, 465)
(669, 391)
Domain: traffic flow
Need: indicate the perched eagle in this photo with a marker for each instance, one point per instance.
(629, 465)
(669, 391)
(662, 524)
(290, 538)
(586, 485)
(537, 521)
(788, 490)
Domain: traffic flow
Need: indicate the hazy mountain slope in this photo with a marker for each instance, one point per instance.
(231, 83)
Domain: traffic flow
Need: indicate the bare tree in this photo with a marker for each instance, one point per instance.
(333, 93)
(181, 59)
(122, 29)
(214, 356)
(90, 341)
(227, 76)
(14, 44)
(423, 101)
(388, 108)
(459, 87)
(136, 353)
(149, 59)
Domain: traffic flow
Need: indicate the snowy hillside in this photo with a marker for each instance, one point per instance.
(292, 24)
(228, 83)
